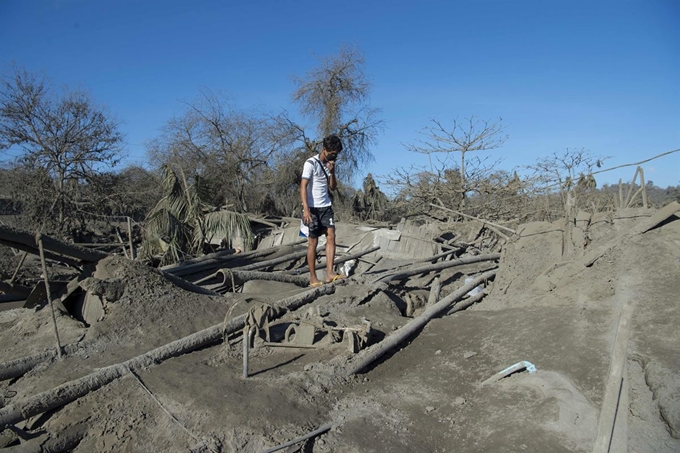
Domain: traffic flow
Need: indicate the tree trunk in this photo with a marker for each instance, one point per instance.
(240, 277)
(370, 355)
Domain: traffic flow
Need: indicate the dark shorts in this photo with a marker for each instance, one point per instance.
(322, 218)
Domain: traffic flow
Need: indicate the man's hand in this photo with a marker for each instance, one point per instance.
(330, 165)
(306, 217)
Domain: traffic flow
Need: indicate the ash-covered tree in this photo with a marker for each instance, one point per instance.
(567, 175)
(461, 136)
(228, 148)
(63, 137)
(333, 98)
(370, 203)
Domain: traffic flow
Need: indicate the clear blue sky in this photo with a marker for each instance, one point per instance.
(600, 75)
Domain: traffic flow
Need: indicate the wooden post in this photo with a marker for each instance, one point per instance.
(247, 330)
(38, 239)
(132, 247)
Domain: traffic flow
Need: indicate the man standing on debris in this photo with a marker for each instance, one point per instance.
(318, 179)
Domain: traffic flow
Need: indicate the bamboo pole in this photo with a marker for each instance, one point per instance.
(279, 260)
(438, 266)
(337, 260)
(212, 259)
(644, 188)
(629, 192)
(435, 289)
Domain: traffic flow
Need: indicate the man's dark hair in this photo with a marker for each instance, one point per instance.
(332, 143)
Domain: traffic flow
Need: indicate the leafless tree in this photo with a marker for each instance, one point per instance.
(334, 98)
(66, 136)
(470, 134)
(229, 148)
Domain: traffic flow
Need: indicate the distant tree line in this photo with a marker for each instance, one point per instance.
(215, 163)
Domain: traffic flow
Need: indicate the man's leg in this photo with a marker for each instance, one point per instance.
(330, 254)
(311, 260)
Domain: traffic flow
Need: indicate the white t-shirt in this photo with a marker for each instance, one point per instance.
(317, 188)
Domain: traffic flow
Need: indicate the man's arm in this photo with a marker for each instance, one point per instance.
(332, 183)
(306, 216)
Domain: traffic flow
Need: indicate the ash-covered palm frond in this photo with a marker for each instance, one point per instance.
(226, 225)
(181, 223)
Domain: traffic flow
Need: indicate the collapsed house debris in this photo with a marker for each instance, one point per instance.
(374, 360)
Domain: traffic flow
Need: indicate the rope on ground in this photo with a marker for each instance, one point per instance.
(146, 389)
(314, 433)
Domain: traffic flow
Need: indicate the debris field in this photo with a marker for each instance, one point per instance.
(444, 337)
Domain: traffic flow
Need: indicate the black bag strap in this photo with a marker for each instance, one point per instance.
(325, 173)
(316, 159)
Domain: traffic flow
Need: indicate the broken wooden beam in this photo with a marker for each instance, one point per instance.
(15, 289)
(26, 241)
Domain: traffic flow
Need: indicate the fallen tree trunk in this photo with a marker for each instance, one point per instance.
(71, 391)
(18, 367)
(438, 266)
(373, 353)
